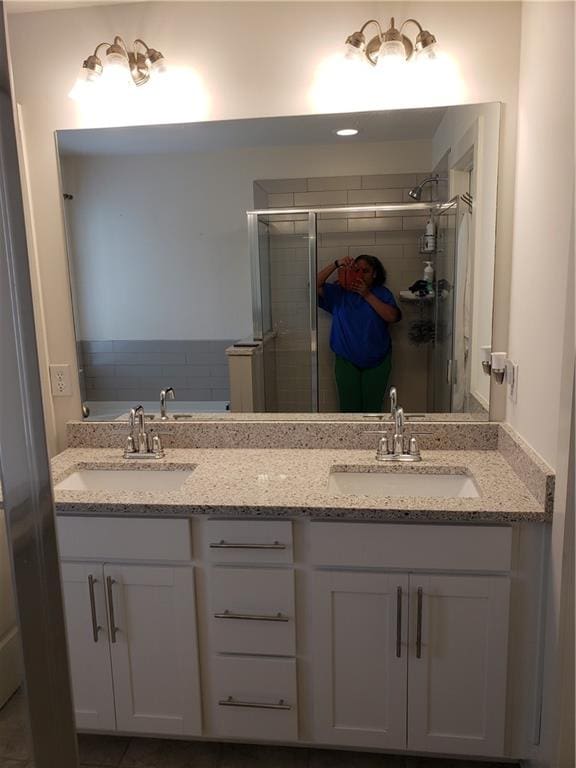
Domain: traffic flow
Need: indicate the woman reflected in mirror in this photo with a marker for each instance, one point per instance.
(362, 309)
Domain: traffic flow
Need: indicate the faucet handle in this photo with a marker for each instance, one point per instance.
(129, 447)
(383, 448)
(157, 448)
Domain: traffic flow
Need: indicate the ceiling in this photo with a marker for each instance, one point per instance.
(33, 6)
(393, 125)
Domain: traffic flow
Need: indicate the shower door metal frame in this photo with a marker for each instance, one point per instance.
(25, 472)
(312, 213)
(452, 372)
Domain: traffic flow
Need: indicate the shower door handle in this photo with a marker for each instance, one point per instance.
(449, 371)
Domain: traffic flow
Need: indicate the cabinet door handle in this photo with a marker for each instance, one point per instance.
(95, 626)
(399, 622)
(240, 545)
(231, 702)
(252, 616)
(419, 626)
(113, 628)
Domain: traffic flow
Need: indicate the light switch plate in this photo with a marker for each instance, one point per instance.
(512, 379)
(60, 380)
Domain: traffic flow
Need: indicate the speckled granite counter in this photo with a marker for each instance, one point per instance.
(289, 483)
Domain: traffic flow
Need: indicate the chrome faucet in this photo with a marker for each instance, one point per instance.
(171, 394)
(397, 447)
(142, 438)
(393, 403)
(142, 447)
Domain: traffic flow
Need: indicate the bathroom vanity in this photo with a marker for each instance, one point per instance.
(256, 600)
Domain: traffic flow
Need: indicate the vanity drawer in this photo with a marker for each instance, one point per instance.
(252, 610)
(421, 547)
(255, 698)
(116, 538)
(249, 541)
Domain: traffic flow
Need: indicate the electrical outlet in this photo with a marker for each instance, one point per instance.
(512, 379)
(60, 380)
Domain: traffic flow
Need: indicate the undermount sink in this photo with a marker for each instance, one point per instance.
(124, 480)
(380, 484)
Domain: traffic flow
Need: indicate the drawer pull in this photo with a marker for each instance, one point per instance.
(95, 626)
(252, 616)
(239, 545)
(419, 625)
(399, 622)
(231, 702)
(113, 628)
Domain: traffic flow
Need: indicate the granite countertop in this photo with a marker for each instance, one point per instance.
(290, 483)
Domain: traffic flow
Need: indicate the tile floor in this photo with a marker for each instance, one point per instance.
(121, 752)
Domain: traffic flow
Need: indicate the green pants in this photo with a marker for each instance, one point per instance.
(362, 390)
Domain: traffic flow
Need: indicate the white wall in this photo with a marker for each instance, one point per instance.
(159, 242)
(254, 60)
(543, 210)
(542, 313)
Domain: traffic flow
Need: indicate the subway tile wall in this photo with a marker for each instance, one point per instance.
(390, 236)
(138, 370)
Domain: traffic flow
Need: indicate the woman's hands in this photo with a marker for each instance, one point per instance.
(361, 287)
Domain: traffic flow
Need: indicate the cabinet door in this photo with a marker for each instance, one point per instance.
(457, 666)
(360, 658)
(154, 649)
(88, 649)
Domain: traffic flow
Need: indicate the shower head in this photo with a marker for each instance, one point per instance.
(416, 192)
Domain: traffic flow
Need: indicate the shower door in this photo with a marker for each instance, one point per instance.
(25, 484)
(289, 246)
(443, 372)
(283, 248)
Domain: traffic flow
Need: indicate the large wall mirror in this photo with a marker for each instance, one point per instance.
(203, 258)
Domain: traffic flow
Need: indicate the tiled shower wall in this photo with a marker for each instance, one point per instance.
(392, 238)
(138, 370)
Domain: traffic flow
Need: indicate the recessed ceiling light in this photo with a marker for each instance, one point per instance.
(346, 132)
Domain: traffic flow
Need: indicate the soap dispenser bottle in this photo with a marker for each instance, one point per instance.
(429, 277)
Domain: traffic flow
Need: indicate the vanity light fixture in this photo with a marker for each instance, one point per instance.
(392, 46)
(346, 132)
(137, 64)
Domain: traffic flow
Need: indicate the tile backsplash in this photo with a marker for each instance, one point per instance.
(138, 370)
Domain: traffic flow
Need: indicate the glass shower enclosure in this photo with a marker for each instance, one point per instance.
(289, 246)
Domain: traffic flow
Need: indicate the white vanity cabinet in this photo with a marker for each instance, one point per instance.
(457, 660)
(378, 636)
(360, 658)
(131, 629)
(252, 622)
(412, 660)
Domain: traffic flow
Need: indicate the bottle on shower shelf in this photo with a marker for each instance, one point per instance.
(429, 277)
(430, 236)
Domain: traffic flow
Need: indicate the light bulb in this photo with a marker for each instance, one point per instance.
(85, 82)
(159, 67)
(392, 52)
(156, 63)
(429, 53)
(353, 52)
(116, 74)
(117, 61)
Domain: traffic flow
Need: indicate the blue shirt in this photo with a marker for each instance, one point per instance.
(358, 332)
